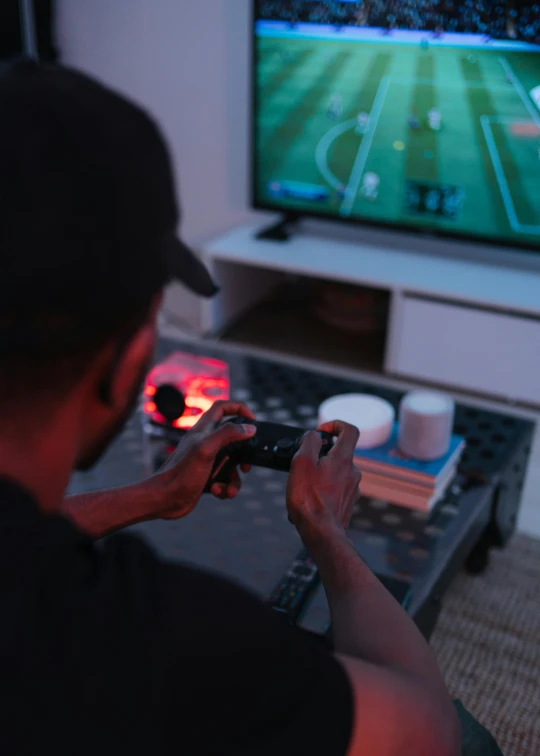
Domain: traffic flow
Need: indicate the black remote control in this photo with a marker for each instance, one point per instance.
(291, 595)
(273, 446)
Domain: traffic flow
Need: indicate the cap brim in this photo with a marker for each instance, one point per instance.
(184, 266)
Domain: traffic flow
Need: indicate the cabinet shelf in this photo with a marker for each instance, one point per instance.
(284, 325)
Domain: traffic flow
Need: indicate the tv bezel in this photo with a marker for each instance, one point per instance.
(410, 229)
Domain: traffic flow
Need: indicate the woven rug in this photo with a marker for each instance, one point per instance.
(488, 644)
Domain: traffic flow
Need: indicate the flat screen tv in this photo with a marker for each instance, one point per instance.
(412, 114)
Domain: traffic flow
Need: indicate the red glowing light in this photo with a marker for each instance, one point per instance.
(201, 380)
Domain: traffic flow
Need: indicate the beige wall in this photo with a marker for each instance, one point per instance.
(188, 63)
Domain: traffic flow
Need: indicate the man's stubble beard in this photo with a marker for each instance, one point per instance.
(97, 450)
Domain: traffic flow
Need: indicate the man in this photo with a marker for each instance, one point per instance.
(335, 107)
(370, 186)
(106, 649)
(413, 121)
(434, 119)
(362, 121)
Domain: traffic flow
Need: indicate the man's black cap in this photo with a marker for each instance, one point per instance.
(88, 209)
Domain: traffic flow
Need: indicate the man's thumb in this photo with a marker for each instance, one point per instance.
(228, 433)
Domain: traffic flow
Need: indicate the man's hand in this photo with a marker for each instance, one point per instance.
(175, 490)
(185, 474)
(321, 493)
(393, 673)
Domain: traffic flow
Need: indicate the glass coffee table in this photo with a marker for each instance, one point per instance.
(250, 540)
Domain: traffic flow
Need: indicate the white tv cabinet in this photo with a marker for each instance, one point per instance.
(467, 325)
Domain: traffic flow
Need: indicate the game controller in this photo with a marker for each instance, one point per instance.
(273, 447)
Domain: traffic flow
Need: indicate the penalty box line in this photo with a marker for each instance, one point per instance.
(519, 228)
(355, 179)
(520, 91)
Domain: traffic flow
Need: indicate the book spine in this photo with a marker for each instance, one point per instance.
(405, 485)
(397, 485)
(403, 472)
(400, 498)
(400, 473)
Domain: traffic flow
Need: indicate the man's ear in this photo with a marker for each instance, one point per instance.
(130, 360)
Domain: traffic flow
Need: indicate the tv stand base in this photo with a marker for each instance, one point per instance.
(280, 231)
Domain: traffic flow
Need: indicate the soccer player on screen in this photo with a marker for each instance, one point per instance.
(362, 123)
(435, 119)
(335, 108)
(370, 187)
(413, 121)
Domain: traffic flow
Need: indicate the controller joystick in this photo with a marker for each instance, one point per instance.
(285, 447)
(273, 447)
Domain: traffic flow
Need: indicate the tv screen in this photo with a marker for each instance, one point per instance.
(417, 114)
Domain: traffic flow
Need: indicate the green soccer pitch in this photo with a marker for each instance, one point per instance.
(488, 145)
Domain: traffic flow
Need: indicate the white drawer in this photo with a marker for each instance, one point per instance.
(459, 346)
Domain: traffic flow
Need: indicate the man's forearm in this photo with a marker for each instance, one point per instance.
(104, 512)
(367, 622)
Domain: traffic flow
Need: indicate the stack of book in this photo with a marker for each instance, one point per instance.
(388, 475)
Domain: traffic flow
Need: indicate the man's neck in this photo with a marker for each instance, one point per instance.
(41, 464)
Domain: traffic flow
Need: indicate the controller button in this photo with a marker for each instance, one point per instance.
(285, 447)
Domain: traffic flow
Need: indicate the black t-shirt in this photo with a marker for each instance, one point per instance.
(105, 648)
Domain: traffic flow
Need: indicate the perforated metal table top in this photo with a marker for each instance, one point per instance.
(251, 540)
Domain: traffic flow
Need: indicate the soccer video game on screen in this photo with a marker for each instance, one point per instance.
(418, 113)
